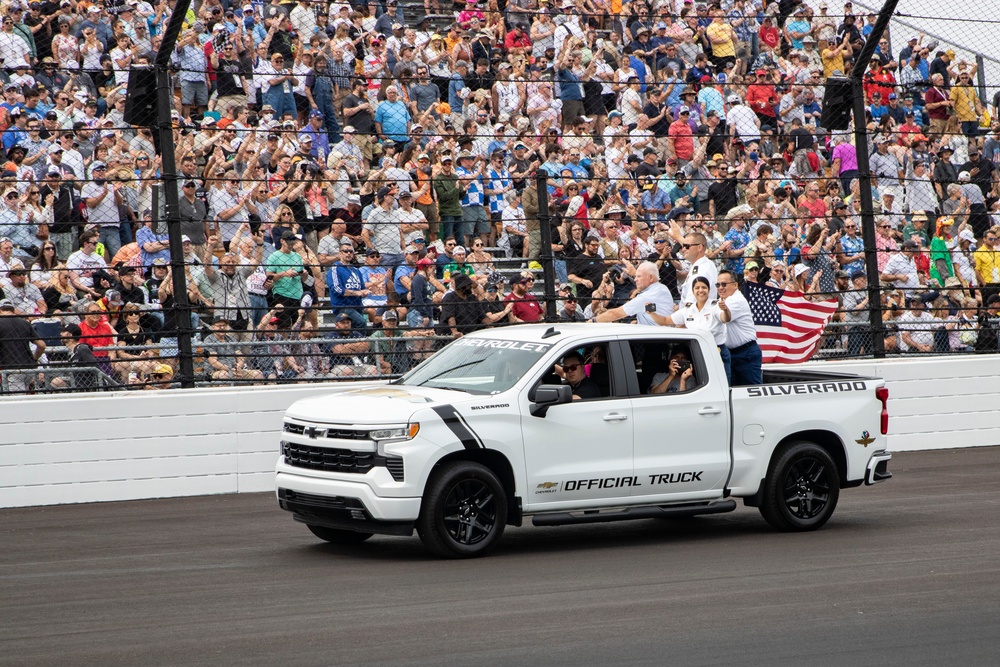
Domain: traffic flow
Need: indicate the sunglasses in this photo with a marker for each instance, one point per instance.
(689, 245)
(569, 368)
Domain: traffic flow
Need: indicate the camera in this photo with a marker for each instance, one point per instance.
(683, 365)
(615, 272)
(650, 307)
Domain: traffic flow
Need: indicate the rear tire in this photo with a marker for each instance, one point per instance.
(338, 536)
(464, 511)
(801, 488)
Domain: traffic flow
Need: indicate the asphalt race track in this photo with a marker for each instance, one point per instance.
(907, 572)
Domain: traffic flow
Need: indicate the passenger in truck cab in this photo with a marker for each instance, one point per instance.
(678, 378)
(575, 374)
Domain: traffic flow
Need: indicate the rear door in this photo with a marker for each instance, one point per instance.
(681, 438)
(581, 452)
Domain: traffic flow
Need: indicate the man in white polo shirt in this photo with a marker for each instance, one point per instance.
(651, 291)
(694, 252)
(741, 335)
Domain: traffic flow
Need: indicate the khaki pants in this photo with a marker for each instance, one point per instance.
(364, 142)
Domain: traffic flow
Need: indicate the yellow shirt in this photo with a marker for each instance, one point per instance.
(988, 264)
(964, 98)
(721, 31)
(833, 62)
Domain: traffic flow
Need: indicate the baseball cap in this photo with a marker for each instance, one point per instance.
(6, 304)
(391, 314)
(342, 317)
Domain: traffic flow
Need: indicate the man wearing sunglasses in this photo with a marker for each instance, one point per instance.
(694, 249)
(346, 286)
(741, 334)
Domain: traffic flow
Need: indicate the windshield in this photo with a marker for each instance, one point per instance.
(477, 365)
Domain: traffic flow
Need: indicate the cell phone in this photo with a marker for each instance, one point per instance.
(650, 307)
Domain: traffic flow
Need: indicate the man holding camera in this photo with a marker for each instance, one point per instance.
(652, 297)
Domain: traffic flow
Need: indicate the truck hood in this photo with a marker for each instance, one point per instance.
(382, 404)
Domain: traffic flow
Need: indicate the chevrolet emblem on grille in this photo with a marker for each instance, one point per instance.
(312, 432)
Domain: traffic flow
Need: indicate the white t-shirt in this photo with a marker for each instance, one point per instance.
(899, 264)
(104, 214)
(706, 319)
(84, 266)
(744, 121)
(657, 293)
(740, 329)
(704, 268)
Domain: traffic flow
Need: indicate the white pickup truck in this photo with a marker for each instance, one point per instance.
(486, 432)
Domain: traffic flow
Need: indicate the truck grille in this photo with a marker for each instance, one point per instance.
(328, 460)
(339, 433)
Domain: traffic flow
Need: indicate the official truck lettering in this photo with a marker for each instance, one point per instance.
(600, 483)
(618, 482)
(811, 388)
(675, 478)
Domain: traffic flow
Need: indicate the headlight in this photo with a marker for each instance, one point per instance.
(390, 434)
(407, 432)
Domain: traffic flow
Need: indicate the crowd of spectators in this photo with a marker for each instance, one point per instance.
(358, 182)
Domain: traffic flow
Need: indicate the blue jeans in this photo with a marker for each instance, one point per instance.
(448, 225)
(258, 308)
(746, 362)
(111, 238)
(562, 275)
(282, 102)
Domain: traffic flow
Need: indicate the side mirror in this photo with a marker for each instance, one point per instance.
(548, 395)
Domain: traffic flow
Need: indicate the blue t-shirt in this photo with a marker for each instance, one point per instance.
(394, 117)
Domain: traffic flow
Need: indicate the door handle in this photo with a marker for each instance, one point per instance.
(615, 417)
(709, 410)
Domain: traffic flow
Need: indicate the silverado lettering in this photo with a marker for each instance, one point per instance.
(810, 388)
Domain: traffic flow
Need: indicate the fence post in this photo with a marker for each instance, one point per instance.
(171, 198)
(981, 78)
(865, 180)
(545, 256)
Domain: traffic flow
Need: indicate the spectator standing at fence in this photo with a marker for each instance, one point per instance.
(346, 286)
(229, 284)
(16, 340)
(284, 267)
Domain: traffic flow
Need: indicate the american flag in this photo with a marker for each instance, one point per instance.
(789, 326)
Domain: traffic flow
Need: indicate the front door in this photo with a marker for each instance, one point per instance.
(581, 451)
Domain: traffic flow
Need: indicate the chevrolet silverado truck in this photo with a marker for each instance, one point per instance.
(488, 432)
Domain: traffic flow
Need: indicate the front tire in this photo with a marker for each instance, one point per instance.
(464, 511)
(338, 536)
(801, 488)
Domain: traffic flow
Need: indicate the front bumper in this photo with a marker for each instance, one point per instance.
(878, 468)
(345, 505)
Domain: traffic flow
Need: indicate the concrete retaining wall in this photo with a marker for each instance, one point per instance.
(125, 446)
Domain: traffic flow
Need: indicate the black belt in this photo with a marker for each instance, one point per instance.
(742, 347)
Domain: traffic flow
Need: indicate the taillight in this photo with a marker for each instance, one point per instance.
(882, 394)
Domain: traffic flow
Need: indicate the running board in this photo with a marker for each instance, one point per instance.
(632, 513)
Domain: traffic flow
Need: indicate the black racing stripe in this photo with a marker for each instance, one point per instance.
(462, 430)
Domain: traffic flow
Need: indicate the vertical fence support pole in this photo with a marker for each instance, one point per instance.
(171, 197)
(544, 254)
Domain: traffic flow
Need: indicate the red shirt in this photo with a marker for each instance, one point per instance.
(526, 308)
(512, 41)
(933, 96)
(100, 336)
(760, 98)
(680, 132)
(769, 36)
